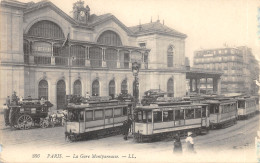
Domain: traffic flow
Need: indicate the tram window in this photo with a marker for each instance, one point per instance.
(216, 109)
(144, 116)
(89, 115)
(139, 116)
(99, 114)
(211, 109)
(124, 110)
(81, 116)
(149, 116)
(189, 113)
(73, 116)
(241, 104)
(179, 114)
(168, 115)
(198, 113)
(108, 113)
(203, 111)
(117, 112)
(157, 116)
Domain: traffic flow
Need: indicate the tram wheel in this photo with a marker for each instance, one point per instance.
(25, 122)
(44, 124)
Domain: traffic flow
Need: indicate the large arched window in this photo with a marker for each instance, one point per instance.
(43, 89)
(111, 58)
(170, 52)
(46, 29)
(95, 56)
(26, 50)
(124, 86)
(78, 55)
(112, 90)
(95, 88)
(109, 38)
(77, 88)
(61, 94)
(170, 88)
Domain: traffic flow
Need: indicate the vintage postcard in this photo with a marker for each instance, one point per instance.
(129, 81)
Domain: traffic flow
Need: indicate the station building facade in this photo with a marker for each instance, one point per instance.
(46, 53)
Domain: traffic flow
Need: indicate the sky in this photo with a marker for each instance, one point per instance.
(207, 23)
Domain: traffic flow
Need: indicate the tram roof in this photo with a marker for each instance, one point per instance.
(151, 107)
(216, 101)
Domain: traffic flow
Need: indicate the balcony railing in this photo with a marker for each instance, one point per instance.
(42, 60)
(82, 62)
(61, 61)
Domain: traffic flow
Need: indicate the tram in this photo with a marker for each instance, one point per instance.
(247, 107)
(155, 122)
(223, 112)
(96, 119)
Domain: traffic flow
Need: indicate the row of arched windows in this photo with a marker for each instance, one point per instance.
(77, 89)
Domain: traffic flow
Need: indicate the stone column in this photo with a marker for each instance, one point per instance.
(52, 57)
(104, 63)
(198, 86)
(215, 85)
(219, 86)
(130, 61)
(118, 59)
(87, 61)
(191, 84)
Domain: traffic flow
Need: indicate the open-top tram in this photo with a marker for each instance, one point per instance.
(247, 107)
(96, 119)
(157, 122)
(223, 112)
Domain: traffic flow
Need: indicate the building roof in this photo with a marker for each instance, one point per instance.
(139, 30)
(155, 28)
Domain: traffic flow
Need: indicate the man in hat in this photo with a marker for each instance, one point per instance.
(190, 143)
(177, 146)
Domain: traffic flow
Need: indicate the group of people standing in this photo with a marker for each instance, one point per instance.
(177, 145)
(9, 111)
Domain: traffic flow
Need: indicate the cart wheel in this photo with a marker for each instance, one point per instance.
(25, 122)
(44, 124)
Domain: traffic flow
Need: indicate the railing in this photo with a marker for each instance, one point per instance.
(124, 65)
(96, 63)
(42, 60)
(61, 61)
(81, 62)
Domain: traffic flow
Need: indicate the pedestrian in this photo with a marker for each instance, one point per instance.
(87, 96)
(6, 114)
(129, 122)
(177, 146)
(8, 101)
(190, 143)
(125, 129)
(14, 99)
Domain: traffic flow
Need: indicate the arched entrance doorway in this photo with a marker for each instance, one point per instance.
(112, 89)
(61, 94)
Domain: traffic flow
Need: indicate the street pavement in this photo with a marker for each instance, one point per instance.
(232, 144)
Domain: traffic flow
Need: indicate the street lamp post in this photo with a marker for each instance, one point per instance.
(135, 70)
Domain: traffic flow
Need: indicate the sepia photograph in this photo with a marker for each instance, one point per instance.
(129, 81)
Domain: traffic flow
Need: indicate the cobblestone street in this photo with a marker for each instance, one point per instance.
(215, 146)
